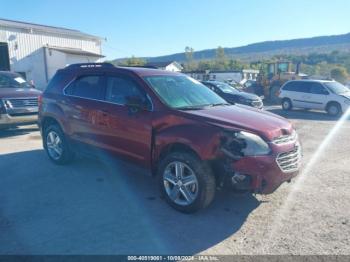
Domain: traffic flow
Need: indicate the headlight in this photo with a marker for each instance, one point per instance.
(347, 101)
(239, 144)
(255, 145)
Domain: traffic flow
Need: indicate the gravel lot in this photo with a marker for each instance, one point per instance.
(105, 207)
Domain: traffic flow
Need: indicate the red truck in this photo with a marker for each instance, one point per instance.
(18, 101)
(171, 124)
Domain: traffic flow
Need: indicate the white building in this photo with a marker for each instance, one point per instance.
(37, 51)
(172, 66)
(225, 76)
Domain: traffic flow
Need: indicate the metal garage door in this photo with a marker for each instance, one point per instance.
(4, 57)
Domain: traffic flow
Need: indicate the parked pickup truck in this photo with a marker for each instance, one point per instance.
(18, 101)
(180, 130)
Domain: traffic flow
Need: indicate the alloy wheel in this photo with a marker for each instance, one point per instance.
(54, 145)
(333, 110)
(180, 183)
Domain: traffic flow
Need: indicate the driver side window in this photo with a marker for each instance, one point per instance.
(120, 89)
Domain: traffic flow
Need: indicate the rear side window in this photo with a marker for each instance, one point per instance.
(120, 89)
(291, 86)
(297, 86)
(304, 87)
(90, 87)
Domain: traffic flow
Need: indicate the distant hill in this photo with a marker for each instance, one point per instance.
(257, 51)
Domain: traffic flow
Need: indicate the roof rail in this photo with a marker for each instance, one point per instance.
(90, 65)
(139, 66)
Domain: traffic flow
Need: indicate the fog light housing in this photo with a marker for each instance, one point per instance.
(241, 181)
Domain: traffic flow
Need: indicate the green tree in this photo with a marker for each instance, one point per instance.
(133, 61)
(339, 74)
(189, 65)
(205, 65)
(221, 59)
(235, 65)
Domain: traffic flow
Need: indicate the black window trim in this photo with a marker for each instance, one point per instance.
(292, 82)
(100, 100)
(326, 87)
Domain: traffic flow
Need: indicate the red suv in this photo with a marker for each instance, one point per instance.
(171, 124)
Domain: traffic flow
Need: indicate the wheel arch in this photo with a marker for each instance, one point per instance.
(170, 148)
(48, 120)
(333, 102)
(286, 98)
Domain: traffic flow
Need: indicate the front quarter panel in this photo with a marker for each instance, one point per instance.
(201, 138)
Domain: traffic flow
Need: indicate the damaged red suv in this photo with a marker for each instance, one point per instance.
(171, 124)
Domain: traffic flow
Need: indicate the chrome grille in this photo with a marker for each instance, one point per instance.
(290, 161)
(286, 138)
(21, 102)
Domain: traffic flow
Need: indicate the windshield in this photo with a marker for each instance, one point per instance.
(183, 92)
(337, 88)
(13, 81)
(226, 88)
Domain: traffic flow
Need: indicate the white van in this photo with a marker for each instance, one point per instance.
(315, 94)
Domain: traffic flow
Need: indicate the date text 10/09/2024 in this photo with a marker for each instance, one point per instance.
(172, 258)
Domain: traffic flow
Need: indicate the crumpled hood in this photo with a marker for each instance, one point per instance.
(19, 92)
(263, 123)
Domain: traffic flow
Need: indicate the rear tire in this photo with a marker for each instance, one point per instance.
(56, 146)
(334, 109)
(287, 104)
(191, 189)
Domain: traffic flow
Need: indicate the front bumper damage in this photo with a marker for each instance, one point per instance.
(265, 176)
(261, 174)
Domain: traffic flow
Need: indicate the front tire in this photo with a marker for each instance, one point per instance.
(334, 109)
(186, 182)
(56, 145)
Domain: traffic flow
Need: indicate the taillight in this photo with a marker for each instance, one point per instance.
(40, 101)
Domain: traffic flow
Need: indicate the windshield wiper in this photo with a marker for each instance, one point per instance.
(200, 107)
(220, 104)
(190, 108)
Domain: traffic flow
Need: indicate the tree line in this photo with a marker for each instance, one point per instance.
(335, 64)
